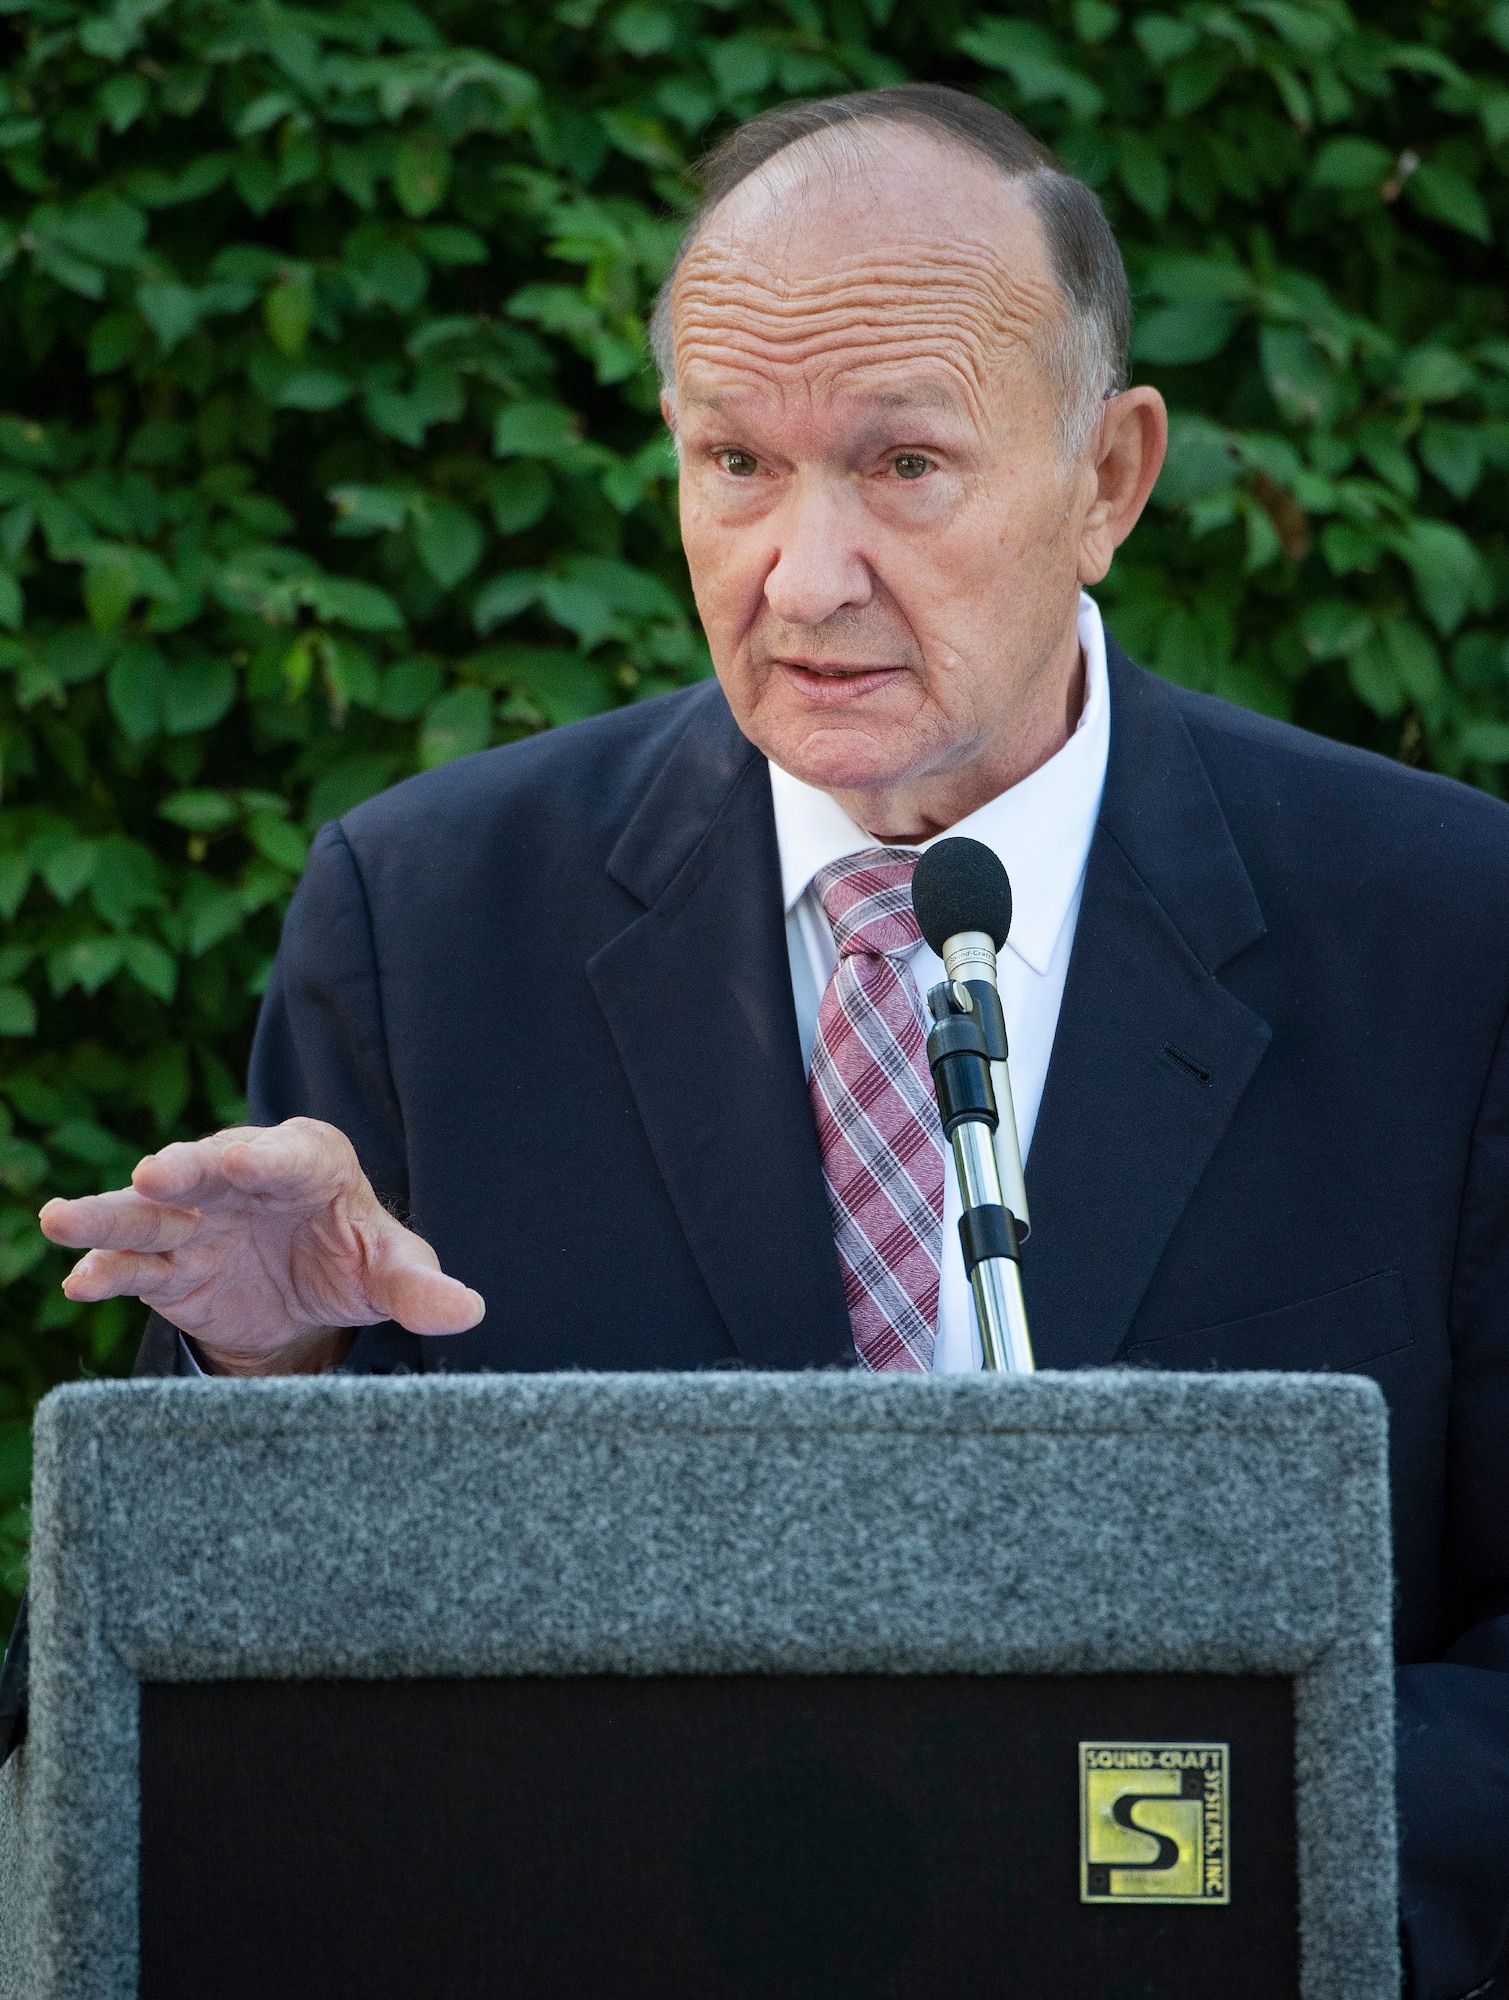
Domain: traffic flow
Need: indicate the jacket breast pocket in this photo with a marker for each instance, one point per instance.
(1345, 1329)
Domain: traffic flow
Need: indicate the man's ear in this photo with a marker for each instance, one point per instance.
(668, 410)
(1130, 454)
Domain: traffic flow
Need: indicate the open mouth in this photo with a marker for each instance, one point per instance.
(833, 685)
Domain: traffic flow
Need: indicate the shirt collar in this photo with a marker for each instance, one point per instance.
(1040, 828)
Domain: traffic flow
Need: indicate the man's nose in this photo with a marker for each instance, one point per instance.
(819, 569)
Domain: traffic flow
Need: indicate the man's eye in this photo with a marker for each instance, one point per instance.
(910, 465)
(740, 463)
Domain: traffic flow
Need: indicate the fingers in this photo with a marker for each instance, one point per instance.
(132, 1242)
(116, 1274)
(188, 1170)
(302, 1159)
(423, 1299)
(121, 1221)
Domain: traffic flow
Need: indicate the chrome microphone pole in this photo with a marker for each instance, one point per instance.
(962, 898)
(959, 1054)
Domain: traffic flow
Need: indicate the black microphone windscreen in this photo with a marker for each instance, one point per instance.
(960, 885)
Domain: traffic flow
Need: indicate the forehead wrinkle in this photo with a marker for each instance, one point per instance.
(956, 301)
(892, 274)
(951, 318)
(945, 328)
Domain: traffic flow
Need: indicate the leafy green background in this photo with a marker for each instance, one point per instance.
(329, 447)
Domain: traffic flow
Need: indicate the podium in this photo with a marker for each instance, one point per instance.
(707, 1686)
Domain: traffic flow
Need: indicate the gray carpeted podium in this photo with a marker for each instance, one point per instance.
(705, 1686)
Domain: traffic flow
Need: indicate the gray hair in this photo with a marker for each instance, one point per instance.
(1085, 351)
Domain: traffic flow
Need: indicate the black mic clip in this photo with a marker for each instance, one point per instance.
(969, 1034)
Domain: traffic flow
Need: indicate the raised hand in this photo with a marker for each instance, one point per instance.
(264, 1243)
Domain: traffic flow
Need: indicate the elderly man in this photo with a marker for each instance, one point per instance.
(582, 1009)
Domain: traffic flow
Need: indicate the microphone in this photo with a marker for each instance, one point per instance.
(962, 898)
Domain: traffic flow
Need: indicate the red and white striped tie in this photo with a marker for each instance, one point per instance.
(877, 1118)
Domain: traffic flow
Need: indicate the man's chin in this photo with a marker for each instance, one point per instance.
(840, 755)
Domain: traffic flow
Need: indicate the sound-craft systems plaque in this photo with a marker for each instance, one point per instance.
(1154, 1823)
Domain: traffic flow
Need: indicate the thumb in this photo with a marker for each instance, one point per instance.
(408, 1288)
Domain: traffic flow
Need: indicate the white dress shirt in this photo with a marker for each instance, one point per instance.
(1041, 829)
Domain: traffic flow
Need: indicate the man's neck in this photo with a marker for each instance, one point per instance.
(909, 813)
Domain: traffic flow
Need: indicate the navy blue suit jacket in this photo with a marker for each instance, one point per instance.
(545, 991)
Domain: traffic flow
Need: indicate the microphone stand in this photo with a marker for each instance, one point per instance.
(965, 1051)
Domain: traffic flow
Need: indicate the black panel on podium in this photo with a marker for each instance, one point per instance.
(685, 1838)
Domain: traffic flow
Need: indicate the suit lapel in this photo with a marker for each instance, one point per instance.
(697, 995)
(1152, 1053)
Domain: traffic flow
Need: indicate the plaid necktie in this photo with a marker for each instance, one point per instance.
(877, 1117)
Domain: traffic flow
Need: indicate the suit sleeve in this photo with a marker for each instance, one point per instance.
(320, 1049)
(1453, 1715)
